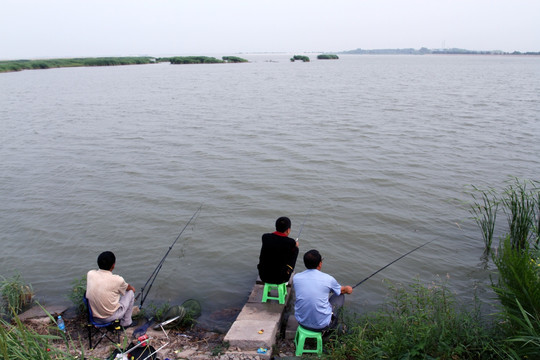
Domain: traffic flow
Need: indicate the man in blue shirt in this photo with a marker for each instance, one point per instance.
(313, 309)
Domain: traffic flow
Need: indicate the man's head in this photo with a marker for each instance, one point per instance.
(312, 259)
(283, 224)
(106, 260)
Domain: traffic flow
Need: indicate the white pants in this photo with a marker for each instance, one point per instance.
(124, 311)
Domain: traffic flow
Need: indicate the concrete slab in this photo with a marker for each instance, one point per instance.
(252, 334)
(261, 311)
(37, 312)
(258, 323)
(256, 294)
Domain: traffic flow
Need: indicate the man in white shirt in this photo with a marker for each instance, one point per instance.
(109, 296)
(313, 309)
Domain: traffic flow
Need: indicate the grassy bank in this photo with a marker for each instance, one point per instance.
(419, 321)
(19, 65)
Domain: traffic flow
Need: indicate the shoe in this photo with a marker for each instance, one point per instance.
(133, 324)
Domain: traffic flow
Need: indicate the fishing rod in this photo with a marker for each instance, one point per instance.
(401, 257)
(303, 222)
(158, 267)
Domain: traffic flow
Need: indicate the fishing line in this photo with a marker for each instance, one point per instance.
(154, 274)
(305, 218)
(401, 257)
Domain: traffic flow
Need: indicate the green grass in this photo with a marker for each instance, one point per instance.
(18, 65)
(520, 206)
(517, 281)
(18, 341)
(485, 215)
(520, 202)
(418, 322)
(78, 290)
(15, 294)
(518, 289)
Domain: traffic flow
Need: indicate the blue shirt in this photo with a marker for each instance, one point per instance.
(312, 288)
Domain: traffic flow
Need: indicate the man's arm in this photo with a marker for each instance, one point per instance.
(346, 289)
(129, 287)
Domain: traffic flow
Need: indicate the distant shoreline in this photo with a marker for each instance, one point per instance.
(36, 64)
(426, 51)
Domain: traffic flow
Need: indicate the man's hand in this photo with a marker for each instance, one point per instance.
(129, 287)
(346, 289)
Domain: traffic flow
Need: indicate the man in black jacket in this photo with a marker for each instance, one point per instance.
(278, 254)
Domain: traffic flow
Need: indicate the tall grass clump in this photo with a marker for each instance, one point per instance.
(78, 289)
(418, 322)
(484, 212)
(16, 294)
(517, 282)
(520, 205)
(520, 202)
(518, 289)
(20, 342)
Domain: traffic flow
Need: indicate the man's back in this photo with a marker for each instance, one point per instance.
(277, 258)
(312, 288)
(103, 291)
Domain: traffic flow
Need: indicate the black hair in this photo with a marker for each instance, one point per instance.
(283, 223)
(312, 259)
(106, 260)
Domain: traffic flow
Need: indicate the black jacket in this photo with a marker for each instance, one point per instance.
(277, 258)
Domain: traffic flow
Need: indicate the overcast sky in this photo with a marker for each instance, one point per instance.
(68, 28)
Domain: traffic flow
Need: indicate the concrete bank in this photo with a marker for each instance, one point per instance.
(257, 327)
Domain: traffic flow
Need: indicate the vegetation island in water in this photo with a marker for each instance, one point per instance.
(19, 65)
(319, 57)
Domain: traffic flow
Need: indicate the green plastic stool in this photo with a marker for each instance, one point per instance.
(282, 292)
(300, 338)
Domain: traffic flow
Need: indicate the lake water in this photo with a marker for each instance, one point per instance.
(380, 151)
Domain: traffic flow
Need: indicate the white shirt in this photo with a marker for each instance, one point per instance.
(103, 290)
